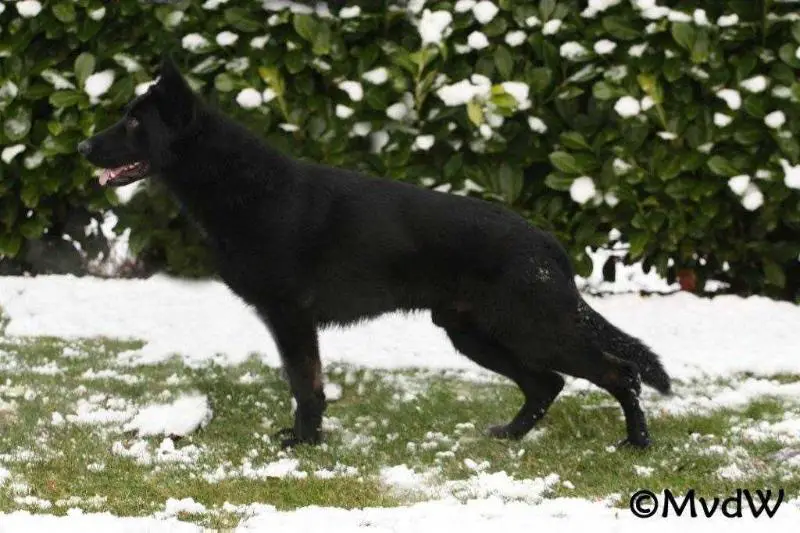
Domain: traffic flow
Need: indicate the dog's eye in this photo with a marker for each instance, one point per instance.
(132, 123)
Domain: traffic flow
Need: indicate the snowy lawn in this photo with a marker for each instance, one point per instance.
(91, 424)
(72, 415)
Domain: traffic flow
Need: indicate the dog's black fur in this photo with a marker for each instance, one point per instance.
(308, 245)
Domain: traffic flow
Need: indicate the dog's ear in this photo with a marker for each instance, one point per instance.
(177, 99)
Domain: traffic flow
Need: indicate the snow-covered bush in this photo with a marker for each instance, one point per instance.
(583, 116)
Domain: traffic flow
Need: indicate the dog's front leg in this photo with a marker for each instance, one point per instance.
(296, 337)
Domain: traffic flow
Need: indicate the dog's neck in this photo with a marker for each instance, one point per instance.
(214, 176)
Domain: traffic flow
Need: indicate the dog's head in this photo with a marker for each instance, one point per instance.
(139, 144)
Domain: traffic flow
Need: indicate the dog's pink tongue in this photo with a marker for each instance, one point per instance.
(108, 174)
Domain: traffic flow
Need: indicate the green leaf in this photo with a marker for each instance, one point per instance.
(32, 228)
(787, 54)
(16, 127)
(224, 83)
(546, 8)
(10, 244)
(756, 105)
(65, 12)
(273, 78)
(62, 99)
(453, 166)
(570, 92)
(773, 273)
(558, 181)
(474, 112)
(322, 40)
(721, 166)
(603, 91)
(510, 183)
(748, 134)
(673, 69)
(638, 242)
(574, 141)
(295, 61)
(700, 47)
(539, 79)
(684, 34)
(29, 196)
(504, 61)
(241, 19)
(620, 28)
(84, 66)
(796, 31)
(505, 101)
(565, 162)
(305, 26)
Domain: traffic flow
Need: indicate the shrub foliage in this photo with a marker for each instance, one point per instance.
(675, 126)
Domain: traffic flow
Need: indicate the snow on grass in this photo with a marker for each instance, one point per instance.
(78, 522)
(181, 417)
(204, 321)
(495, 514)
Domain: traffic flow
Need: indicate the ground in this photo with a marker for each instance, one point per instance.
(174, 430)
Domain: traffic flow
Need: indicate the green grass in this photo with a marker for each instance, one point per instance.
(374, 426)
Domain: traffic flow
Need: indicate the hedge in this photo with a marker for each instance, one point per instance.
(670, 130)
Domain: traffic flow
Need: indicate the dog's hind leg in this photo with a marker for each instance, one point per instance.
(540, 388)
(622, 380)
(296, 337)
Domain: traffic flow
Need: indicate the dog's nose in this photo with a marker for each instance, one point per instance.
(84, 147)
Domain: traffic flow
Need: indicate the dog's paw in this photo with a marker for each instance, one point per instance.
(641, 442)
(502, 431)
(289, 439)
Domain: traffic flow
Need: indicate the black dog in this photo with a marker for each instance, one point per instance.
(308, 245)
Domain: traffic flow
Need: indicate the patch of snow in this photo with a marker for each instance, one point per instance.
(110, 374)
(181, 417)
(349, 12)
(752, 198)
(377, 76)
(173, 507)
(98, 84)
(739, 184)
(10, 152)
(434, 26)
(582, 189)
(29, 8)
(775, 120)
(353, 89)
(537, 125)
(731, 97)
(515, 38)
(726, 21)
(203, 321)
(627, 107)
(791, 174)
(756, 84)
(573, 50)
(477, 40)
(604, 47)
(194, 42)
(249, 98)
(226, 38)
(485, 11)
(721, 120)
(550, 27)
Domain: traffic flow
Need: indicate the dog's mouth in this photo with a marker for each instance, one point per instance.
(125, 174)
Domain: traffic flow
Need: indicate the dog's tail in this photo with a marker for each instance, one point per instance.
(616, 342)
